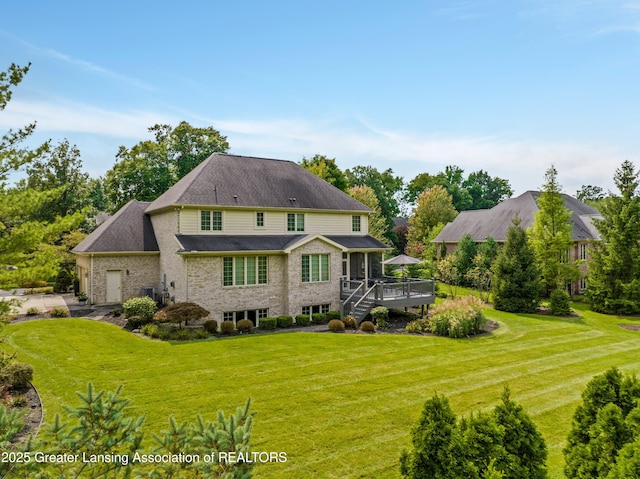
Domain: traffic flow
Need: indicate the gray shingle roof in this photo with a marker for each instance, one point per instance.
(495, 222)
(233, 243)
(232, 180)
(129, 230)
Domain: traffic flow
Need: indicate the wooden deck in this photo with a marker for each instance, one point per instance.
(390, 292)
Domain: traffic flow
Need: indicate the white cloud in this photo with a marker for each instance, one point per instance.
(81, 118)
(352, 143)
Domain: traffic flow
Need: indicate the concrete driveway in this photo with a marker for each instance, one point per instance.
(44, 302)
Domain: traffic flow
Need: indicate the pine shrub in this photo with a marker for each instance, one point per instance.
(350, 322)
(336, 326)
(367, 327)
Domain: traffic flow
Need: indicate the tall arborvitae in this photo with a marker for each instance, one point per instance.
(614, 266)
(605, 421)
(516, 283)
(503, 443)
(551, 235)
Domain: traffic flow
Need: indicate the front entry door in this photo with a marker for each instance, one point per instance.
(114, 286)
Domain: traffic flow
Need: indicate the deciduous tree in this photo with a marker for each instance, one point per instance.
(151, 167)
(377, 222)
(327, 169)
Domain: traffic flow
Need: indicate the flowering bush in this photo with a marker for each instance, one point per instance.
(458, 317)
(144, 307)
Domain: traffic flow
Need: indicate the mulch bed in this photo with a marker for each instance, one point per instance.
(630, 327)
(32, 410)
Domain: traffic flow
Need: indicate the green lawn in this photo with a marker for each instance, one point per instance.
(339, 405)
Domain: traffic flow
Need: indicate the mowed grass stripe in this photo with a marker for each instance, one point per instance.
(339, 405)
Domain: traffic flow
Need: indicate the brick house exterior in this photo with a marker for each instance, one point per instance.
(495, 222)
(243, 237)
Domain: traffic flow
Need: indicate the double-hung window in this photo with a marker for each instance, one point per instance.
(315, 268)
(244, 270)
(295, 221)
(210, 220)
(356, 223)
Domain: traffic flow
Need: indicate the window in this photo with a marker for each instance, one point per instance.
(260, 219)
(315, 267)
(254, 315)
(355, 223)
(210, 220)
(583, 251)
(241, 270)
(295, 221)
(564, 257)
(316, 308)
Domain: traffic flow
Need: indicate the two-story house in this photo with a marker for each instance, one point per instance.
(243, 237)
(495, 222)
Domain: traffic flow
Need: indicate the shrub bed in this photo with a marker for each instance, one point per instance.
(457, 317)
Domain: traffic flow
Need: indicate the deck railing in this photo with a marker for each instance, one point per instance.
(389, 288)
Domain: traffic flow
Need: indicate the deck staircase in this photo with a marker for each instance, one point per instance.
(362, 308)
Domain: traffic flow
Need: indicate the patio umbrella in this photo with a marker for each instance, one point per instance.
(402, 260)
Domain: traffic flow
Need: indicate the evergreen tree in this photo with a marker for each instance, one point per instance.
(525, 450)
(437, 444)
(551, 235)
(464, 257)
(614, 265)
(602, 424)
(516, 278)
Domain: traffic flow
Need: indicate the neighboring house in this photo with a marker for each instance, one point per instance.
(243, 237)
(495, 222)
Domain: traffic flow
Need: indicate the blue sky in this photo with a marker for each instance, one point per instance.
(510, 87)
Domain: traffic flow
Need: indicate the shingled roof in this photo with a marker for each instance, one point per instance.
(244, 181)
(276, 243)
(129, 230)
(495, 222)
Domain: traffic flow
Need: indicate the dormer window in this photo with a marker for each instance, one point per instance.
(295, 221)
(210, 220)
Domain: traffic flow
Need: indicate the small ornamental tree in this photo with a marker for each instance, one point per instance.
(516, 283)
(186, 311)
